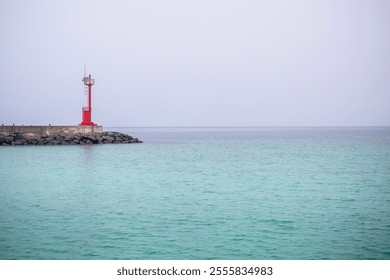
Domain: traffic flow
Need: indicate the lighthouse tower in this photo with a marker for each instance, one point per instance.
(87, 111)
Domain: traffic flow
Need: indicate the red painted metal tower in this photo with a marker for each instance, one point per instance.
(87, 111)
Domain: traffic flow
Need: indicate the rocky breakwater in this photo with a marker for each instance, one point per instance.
(17, 139)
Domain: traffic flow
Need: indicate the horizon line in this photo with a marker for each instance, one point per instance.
(247, 126)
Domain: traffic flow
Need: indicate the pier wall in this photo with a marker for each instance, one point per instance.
(51, 129)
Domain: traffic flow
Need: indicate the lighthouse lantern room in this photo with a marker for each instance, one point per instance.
(87, 111)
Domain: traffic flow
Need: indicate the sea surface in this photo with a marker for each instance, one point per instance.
(201, 193)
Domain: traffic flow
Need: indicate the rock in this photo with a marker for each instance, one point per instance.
(108, 139)
(32, 141)
(7, 139)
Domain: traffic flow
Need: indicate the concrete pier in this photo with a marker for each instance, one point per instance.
(51, 129)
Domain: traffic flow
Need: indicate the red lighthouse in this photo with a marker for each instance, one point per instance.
(87, 111)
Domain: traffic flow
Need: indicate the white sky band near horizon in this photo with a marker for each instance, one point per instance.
(196, 63)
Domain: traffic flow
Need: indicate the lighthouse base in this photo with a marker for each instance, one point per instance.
(87, 124)
(87, 117)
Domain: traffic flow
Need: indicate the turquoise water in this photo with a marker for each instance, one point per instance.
(201, 193)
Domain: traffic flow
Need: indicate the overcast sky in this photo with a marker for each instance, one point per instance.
(196, 63)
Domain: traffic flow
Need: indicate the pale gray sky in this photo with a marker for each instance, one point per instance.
(196, 63)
